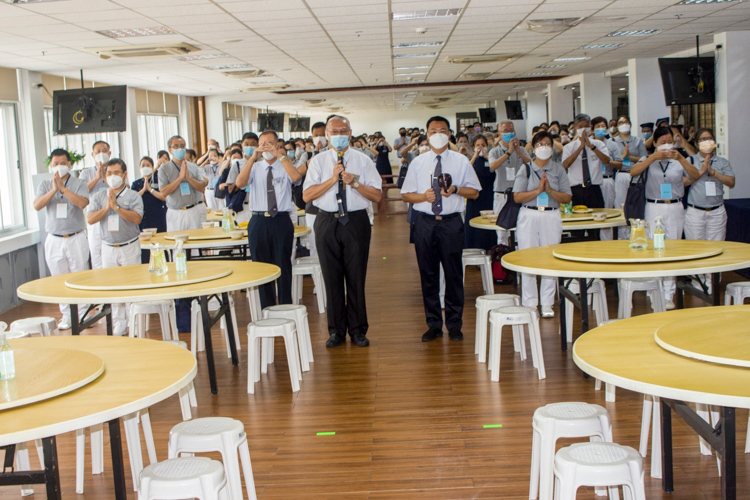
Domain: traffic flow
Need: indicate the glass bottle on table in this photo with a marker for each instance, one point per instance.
(158, 262)
(180, 258)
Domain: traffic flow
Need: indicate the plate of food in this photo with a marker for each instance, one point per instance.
(582, 209)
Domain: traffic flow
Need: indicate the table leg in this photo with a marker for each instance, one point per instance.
(715, 291)
(208, 344)
(118, 471)
(563, 315)
(74, 328)
(729, 459)
(230, 328)
(108, 309)
(583, 287)
(51, 469)
(678, 294)
(667, 482)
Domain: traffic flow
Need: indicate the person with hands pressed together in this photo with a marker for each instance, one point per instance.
(118, 211)
(473, 237)
(183, 185)
(583, 159)
(319, 145)
(63, 198)
(438, 228)
(540, 188)
(154, 207)
(599, 125)
(243, 211)
(342, 183)
(95, 179)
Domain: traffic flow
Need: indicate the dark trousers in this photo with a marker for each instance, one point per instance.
(591, 196)
(440, 242)
(270, 240)
(343, 251)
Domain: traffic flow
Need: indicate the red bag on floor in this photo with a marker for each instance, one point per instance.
(501, 275)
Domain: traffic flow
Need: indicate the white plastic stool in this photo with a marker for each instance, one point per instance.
(41, 325)
(22, 459)
(599, 465)
(562, 420)
(305, 266)
(217, 434)
(629, 285)
(484, 304)
(485, 267)
(253, 300)
(651, 411)
(515, 316)
(735, 292)
(166, 311)
(182, 478)
(298, 314)
(10, 334)
(472, 251)
(609, 389)
(597, 297)
(187, 393)
(198, 341)
(269, 328)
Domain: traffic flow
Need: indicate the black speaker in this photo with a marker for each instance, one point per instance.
(513, 110)
(487, 115)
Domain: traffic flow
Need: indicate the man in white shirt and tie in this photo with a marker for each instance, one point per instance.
(341, 183)
(438, 227)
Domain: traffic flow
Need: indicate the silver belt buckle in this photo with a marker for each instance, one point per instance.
(667, 202)
(438, 217)
(541, 209)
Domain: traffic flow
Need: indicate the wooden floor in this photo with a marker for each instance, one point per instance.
(408, 416)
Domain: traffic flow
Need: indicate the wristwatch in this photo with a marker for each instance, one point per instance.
(593, 147)
(355, 185)
(117, 207)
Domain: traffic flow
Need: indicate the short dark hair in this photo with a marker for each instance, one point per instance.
(269, 132)
(539, 136)
(317, 125)
(191, 152)
(148, 159)
(598, 119)
(478, 137)
(100, 142)
(705, 129)
(554, 122)
(249, 135)
(59, 152)
(437, 119)
(161, 153)
(117, 161)
(624, 116)
(235, 151)
(169, 142)
(662, 131)
(461, 135)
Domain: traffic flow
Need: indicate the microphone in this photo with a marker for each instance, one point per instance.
(341, 159)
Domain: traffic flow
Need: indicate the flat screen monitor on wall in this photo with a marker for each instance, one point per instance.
(513, 110)
(91, 111)
(271, 121)
(487, 115)
(299, 124)
(687, 80)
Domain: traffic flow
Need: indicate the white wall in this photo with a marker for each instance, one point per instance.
(215, 119)
(645, 93)
(536, 110)
(559, 103)
(596, 95)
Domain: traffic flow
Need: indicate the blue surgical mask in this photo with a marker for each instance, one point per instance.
(248, 150)
(600, 133)
(339, 142)
(290, 154)
(508, 136)
(647, 135)
(178, 154)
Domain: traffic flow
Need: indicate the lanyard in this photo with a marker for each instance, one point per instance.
(664, 169)
(65, 185)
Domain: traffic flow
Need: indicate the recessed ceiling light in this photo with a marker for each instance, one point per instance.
(537, 74)
(416, 44)
(228, 66)
(571, 59)
(408, 81)
(698, 2)
(125, 33)
(200, 57)
(545, 66)
(232, 40)
(548, 26)
(409, 74)
(425, 14)
(399, 68)
(404, 56)
(634, 33)
(622, 88)
(604, 46)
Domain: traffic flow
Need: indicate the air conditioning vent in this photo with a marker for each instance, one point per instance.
(475, 76)
(314, 101)
(264, 88)
(249, 73)
(550, 25)
(144, 51)
(479, 59)
(437, 94)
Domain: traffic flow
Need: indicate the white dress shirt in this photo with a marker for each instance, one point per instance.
(320, 170)
(595, 165)
(422, 170)
(282, 186)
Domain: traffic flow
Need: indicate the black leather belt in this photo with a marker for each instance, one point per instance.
(66, 235)
(191, 206)
(608, 176)
(120, 245)
(664, 202)
(336, 214)
(439, 217)
(705, 209)
(540, 209)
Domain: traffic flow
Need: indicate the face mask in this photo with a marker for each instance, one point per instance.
(462, 144)
(624, 128)
(424, 149)
(477, 129)
(146, 171)
(299, 152)
(665, 147)
(508, 136)
(178, 154)
(248, 150)
(543, 152)
(114, 181)
(61, 170)
(290, 154)
(402, 134)
(102, 158)
(707, 146)
(582, 130)
(339, 142)
(647, 135)
(612, 130)
(320, 140)
(438, 141)
(268, 156)
(600, 133)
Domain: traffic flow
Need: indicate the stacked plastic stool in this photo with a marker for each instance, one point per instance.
(627, 286)
(269, 329)
(598, 298)
(187, 393)
(308, 266)
(609, 390)
(737, 293)
(515, 316)
(41, 325)
(139, 312)
(183, 478)
(298, 314)
(470, 257)
(484, 304)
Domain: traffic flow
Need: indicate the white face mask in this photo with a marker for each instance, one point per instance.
(580, 131)
(624, 128)
(320, 140)
(268, 156)
(114, 181)
(424, 149)
(707, 146)
(146, 171)
(439, 141)
(543, 152)
(612, 130)
(665, 147)
(101, 158)
(61, 170)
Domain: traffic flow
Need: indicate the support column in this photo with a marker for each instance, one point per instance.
(596, 95)
(215, 119)
(732, 106)
(646, 101)
(130, 147)
(560, 103)
(183, 120)
(536, 110)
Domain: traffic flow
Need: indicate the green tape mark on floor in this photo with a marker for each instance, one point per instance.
(326, 434)
(383, 258)
(494, 426)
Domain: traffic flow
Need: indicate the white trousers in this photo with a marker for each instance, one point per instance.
(535, 229)
(673, 216)
(129, 255)
(182, 220)
(622, 180)
(702, 225)
(497, 204)
(310, 222)
(67, 255)
(95, 245)
(212, 202)
(608, 193)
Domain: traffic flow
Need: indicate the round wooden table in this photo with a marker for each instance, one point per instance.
(540, 261)
(626, 354)
(52, 290)
(216, 216)
(614, 219)
(167, 239)
(138, 373)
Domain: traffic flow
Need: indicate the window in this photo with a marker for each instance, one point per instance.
(154, 131)
(11, 189)
(233, 131)
(79, 143)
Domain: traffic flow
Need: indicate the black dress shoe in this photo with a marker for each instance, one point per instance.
(432, 334)
(455, 335)
(335, 340)
(360, 340)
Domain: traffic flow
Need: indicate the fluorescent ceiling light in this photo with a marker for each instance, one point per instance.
(416, 44)
(200, 57)
(604, 46)
(546, 66)
(570, 59)
(404, 56)
(409, 74)
(425, 14)
(699, 2)
(634, 33)
(411, 67)
(622, 88)
(125, 33)
(409, 81)
(28, 1)
(228, 66)
(535, 74)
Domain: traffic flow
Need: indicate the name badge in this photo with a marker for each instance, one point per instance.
(542, 200)
(626, 162)
(113, 223)
(510, 174)
(710, 189)
(604, 169)
(666, 191)
(185, 188)
(62, 211)
(102, 189)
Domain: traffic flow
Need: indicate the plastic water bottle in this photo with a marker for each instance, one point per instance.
(7, 362)
(659, 235)
(226, 220)
(180, 259)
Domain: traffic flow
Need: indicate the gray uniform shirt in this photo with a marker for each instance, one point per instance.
(234, 172)
(87, 174)
(504, 179)
(126, 231)
(176, 199)
(558, 181)
(636, 148)
(614, 155)
(698, 192)
(665, 172)
(212, 173)
(71, 219)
